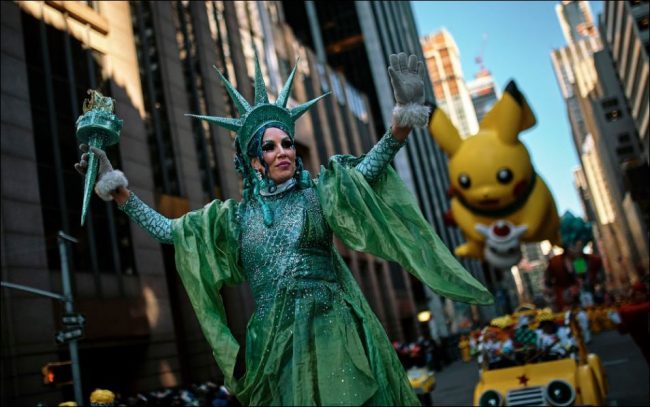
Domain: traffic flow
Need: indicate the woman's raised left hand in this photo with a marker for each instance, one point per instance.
(407, 77)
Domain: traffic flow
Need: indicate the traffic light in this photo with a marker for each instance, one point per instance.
(57, 373)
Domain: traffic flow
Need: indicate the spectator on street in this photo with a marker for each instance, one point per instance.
(634, 317)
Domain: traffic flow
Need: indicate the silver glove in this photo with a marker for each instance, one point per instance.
(109, 179)
(407, 77)
(104, 164)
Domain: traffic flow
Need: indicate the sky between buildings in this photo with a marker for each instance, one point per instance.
(520, 37)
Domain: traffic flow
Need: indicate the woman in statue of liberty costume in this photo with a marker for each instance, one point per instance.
(313, 339)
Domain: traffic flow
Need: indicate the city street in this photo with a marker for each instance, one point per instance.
(627, 374)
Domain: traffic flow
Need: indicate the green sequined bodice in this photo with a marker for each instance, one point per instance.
(294, 252)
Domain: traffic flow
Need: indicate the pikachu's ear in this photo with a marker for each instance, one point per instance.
(443, 131)
(510, 115)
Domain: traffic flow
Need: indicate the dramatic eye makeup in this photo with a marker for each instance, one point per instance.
(269, 145)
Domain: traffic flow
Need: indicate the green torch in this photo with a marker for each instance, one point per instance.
(97, 127)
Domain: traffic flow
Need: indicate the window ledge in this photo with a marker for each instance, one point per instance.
(82, 13)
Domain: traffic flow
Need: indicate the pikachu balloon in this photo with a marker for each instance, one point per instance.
(495, 191)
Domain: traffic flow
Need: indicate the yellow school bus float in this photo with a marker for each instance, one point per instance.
(538, 376)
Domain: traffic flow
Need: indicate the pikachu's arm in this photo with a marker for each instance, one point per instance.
(540, 206)
(466, 221)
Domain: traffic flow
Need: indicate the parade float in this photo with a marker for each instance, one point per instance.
(537, 357)
(497, 198)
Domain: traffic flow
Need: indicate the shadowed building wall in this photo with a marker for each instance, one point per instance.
(155, 59)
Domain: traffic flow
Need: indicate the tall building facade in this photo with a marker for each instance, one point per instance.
(584, 193)
(625, 27)
(484, 92)
(576, 20)
(603, 135)
(155, 59)
(350, 35)
(449, 87)
(589, 209)
(621, 152)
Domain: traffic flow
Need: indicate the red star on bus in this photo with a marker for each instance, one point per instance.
(523, 379)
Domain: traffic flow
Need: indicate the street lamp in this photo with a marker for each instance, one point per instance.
(424, 316)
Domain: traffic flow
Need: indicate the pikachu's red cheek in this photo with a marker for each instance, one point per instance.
(520, 188)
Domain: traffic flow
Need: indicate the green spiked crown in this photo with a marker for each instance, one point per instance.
(252, 118)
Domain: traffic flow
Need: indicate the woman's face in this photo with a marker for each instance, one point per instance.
(279, 154)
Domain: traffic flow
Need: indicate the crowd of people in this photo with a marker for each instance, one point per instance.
(633, 317)
(207, 394)
(542, 334)
(529, 338)
(576, 279)
(426, 352)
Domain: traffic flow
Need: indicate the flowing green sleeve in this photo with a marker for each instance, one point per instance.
(384, 219)
(206, 242)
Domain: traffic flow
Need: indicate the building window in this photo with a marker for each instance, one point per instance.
(324, 86)
(453, 88)
(625, 150)
(345, 118)
(156, 121)
(364, 132)
(613, 115)
(194, 85)
(338, 89)
(331, 119)
(60, 70)
(315, 119)
(397, 276)
(624, 138)
(224, 61)
(612, 102)
(285, 70)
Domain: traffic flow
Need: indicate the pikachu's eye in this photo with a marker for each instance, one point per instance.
(504, 175)
(464, 181)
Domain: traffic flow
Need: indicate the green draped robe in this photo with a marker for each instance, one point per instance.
(313, 339)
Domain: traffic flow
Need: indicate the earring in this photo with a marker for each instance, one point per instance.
(302, 176)
(261, 181)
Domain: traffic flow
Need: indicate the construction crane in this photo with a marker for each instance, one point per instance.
(479, 58)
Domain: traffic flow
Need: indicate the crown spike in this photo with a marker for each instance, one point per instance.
(240, 103)
(298, 111)
(260, 87)
(283, 97)
(227, 122)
